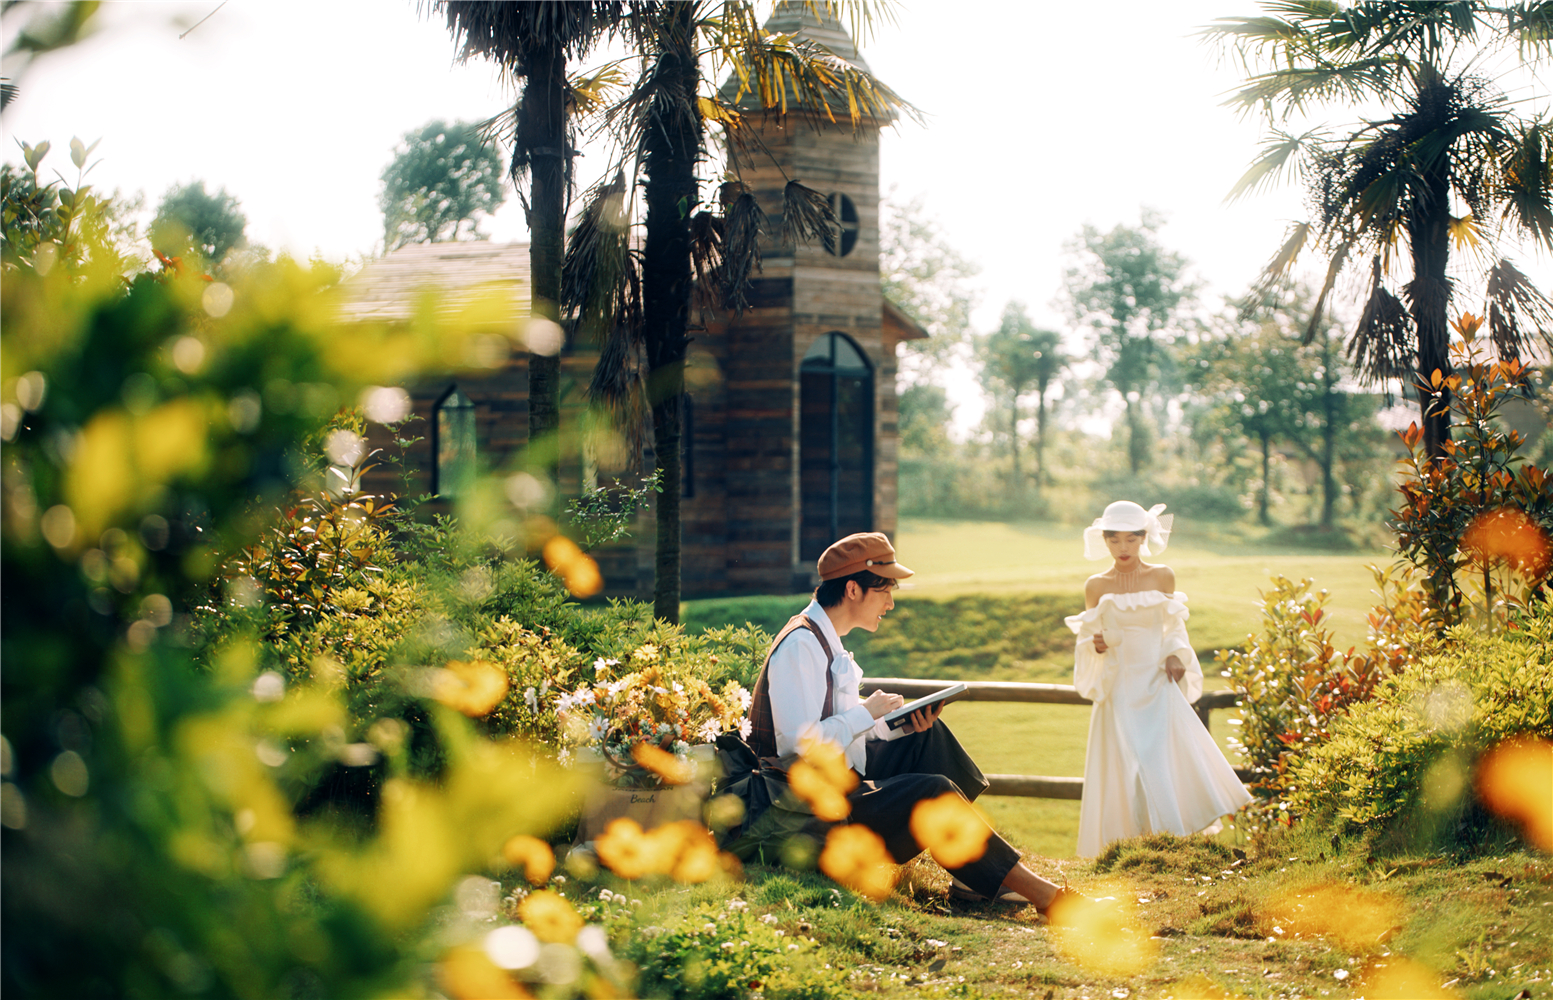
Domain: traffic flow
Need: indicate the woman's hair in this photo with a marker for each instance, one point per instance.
(1112, 534)
(830, 593)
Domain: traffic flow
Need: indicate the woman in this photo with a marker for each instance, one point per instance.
(1151, 766)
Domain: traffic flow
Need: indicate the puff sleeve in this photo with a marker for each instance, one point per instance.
(1093, 672)
(1176, 642)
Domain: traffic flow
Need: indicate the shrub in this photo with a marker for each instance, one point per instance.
(1402, 763)
(1295, 683)
(723, 953)
(1451, 522)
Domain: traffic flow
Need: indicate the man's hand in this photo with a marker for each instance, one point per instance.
(1100, 646)
(882, 703)
(1174, 668)
(923, 718)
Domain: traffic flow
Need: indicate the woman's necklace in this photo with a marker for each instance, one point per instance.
(1127, 580)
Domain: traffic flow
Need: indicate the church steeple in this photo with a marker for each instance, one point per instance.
(794, 17)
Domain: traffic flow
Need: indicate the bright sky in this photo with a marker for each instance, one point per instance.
(1043, 117)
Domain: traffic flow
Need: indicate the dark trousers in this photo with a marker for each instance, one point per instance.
(912, 769)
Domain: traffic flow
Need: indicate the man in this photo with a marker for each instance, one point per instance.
(808, 689)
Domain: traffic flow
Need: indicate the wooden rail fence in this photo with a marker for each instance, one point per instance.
(1033, 785)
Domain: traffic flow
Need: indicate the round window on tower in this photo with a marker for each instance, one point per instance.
(842, 235)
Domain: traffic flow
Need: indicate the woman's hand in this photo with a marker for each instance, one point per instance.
(1100, 646)
(1174, 668)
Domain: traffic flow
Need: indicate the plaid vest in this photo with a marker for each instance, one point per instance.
(762, 728)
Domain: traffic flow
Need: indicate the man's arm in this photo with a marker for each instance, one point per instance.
(796, 674)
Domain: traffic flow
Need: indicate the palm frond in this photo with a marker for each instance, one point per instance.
(706, 252)
(806, 216)
(597, 269)
(1381, 346)
(511, 34)
(783, 72)
(743, 220)
(1334, 268)
(1532, 26)
(1528, 184)
(1517, 311)
(1274, 276)
(590, 93)
(1294, 87)
(1279, 153)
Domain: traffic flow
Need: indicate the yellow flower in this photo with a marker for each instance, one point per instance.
(575, 567)
(665, 765)
(473, 688)
(533, 855)
(810, 784)
(625, 850)
(856, 857)
(949, 827)
(1516, 781)
(696, 860)
(1101, 935)
(550, 917)
(1353, 917)
(823, 779)
(467, 973)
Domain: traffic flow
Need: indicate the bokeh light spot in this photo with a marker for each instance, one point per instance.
(1515, 781)
(58, 524)
(543, 336)
(512, 947)
(188, 354)
(385, 404)
(217, 300)
(856, 857)
(69, 774)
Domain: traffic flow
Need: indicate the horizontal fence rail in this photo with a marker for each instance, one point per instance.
(1034, 785)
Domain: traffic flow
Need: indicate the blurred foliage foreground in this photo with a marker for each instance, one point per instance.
(258, 756)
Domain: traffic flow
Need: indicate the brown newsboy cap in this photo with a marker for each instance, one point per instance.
(868, 550)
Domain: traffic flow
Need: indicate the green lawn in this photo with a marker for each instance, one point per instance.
(987, 603)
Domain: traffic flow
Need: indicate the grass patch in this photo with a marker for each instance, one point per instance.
(1217, 924)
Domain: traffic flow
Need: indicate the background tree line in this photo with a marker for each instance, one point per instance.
(1145, 390)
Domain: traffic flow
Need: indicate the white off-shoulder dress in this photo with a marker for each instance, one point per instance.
(1151, 766)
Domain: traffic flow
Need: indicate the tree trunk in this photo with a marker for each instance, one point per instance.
(1134, 436)
(1430, 290)
(1328, 439)
(1040, 440)
(671, 151)
(1262, 513)
(542, 137)
(1013, 443)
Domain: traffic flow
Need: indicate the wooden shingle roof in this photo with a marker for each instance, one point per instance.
(389, 288)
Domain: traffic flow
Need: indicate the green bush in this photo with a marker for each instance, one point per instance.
(1402, 764)
(713, 952)
(1295, 683)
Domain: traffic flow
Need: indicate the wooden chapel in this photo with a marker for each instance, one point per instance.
(791, 429)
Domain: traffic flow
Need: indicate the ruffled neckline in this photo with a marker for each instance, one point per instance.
(1174, 603)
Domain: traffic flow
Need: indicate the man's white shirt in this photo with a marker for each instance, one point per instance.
(796, 675)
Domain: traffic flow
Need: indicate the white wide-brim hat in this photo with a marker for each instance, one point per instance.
(1124, 515)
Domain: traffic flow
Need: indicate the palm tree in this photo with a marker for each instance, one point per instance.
(637, 299)
(532, 40)
(1386, 193)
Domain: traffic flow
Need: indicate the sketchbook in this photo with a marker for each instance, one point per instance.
(902, 715)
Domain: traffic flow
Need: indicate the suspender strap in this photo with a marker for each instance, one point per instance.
(762, 728)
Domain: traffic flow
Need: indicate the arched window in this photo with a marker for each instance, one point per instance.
(453, 442)
(836, 443)
(842, 236)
